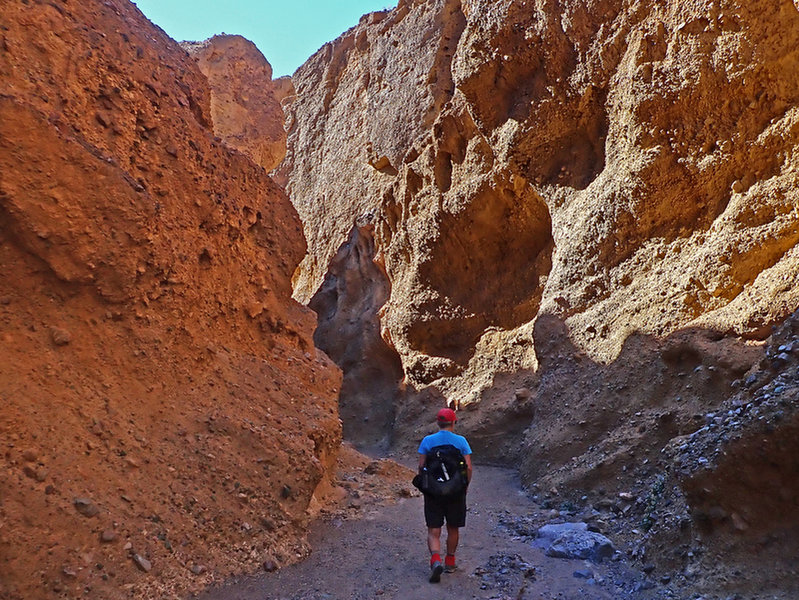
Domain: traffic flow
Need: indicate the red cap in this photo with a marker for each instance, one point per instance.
(446, 415)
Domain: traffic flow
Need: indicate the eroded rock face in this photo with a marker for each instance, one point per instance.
(161, 394)
(586, 211)
(629, 171)
(245, 102)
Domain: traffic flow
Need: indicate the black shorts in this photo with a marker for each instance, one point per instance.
(436, 510)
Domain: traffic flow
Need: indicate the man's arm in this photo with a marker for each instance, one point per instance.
(422, 461)
(468, 459)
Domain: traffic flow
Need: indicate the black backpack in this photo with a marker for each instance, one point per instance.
(444, 473)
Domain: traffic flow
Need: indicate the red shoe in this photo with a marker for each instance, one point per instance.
(449, 563)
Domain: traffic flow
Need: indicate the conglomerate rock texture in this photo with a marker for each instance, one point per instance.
(165, 419)
(586, 212)
(245, 102)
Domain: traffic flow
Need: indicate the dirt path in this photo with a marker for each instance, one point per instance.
(383, 555)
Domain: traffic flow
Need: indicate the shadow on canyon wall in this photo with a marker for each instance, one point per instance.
(348, 331)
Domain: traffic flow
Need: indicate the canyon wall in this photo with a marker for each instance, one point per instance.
(245, 101)
(625, 170)
(586, 212)
(166, 419)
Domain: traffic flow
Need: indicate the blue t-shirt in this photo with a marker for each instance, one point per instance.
(442, 438)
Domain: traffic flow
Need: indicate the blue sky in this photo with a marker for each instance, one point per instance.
(287, 32)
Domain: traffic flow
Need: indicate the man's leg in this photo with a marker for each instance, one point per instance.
(434, 540)
(453, 535)
(434, 545)
(434, 519)
(456, 518)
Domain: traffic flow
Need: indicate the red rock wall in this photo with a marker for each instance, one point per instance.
(161, 394)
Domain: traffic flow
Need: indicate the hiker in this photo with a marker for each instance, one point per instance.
(444, 489)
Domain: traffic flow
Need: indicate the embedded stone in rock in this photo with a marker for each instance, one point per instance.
(141, 562)
(108, 536)
(86, 507)
(39, 475)
(61, 337)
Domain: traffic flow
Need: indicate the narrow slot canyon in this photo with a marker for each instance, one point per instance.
(232, 304)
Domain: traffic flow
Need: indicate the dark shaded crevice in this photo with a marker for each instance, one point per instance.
(348, 304)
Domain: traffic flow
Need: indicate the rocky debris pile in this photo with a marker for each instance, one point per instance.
(505, 572)
(767, 401)
(593, 557)
(362, 483)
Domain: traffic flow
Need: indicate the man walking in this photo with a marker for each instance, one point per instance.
(451, 508)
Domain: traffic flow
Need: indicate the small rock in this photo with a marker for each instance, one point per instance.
(522, 393)
(583, 574)
(781, 359)
(86, 507)
(60, 337)
(551, 532)
(108, 536)
(648, 568)
(30, 472)
(737, 186)
(285, 492)
(372, 468)
(68, 572)
(29, 455)
(646, 585)
(198, 569)
(127, 546)
(270, 566)
(738, 522)
(141, 562)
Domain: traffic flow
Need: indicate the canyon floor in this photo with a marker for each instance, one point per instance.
(379, 551)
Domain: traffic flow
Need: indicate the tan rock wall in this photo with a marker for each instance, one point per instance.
(161, 395)
(629, 169)
(245, 102)
(587, 213)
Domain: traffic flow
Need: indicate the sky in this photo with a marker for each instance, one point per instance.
(287, 32)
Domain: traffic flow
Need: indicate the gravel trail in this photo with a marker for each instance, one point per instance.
(384, 556)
